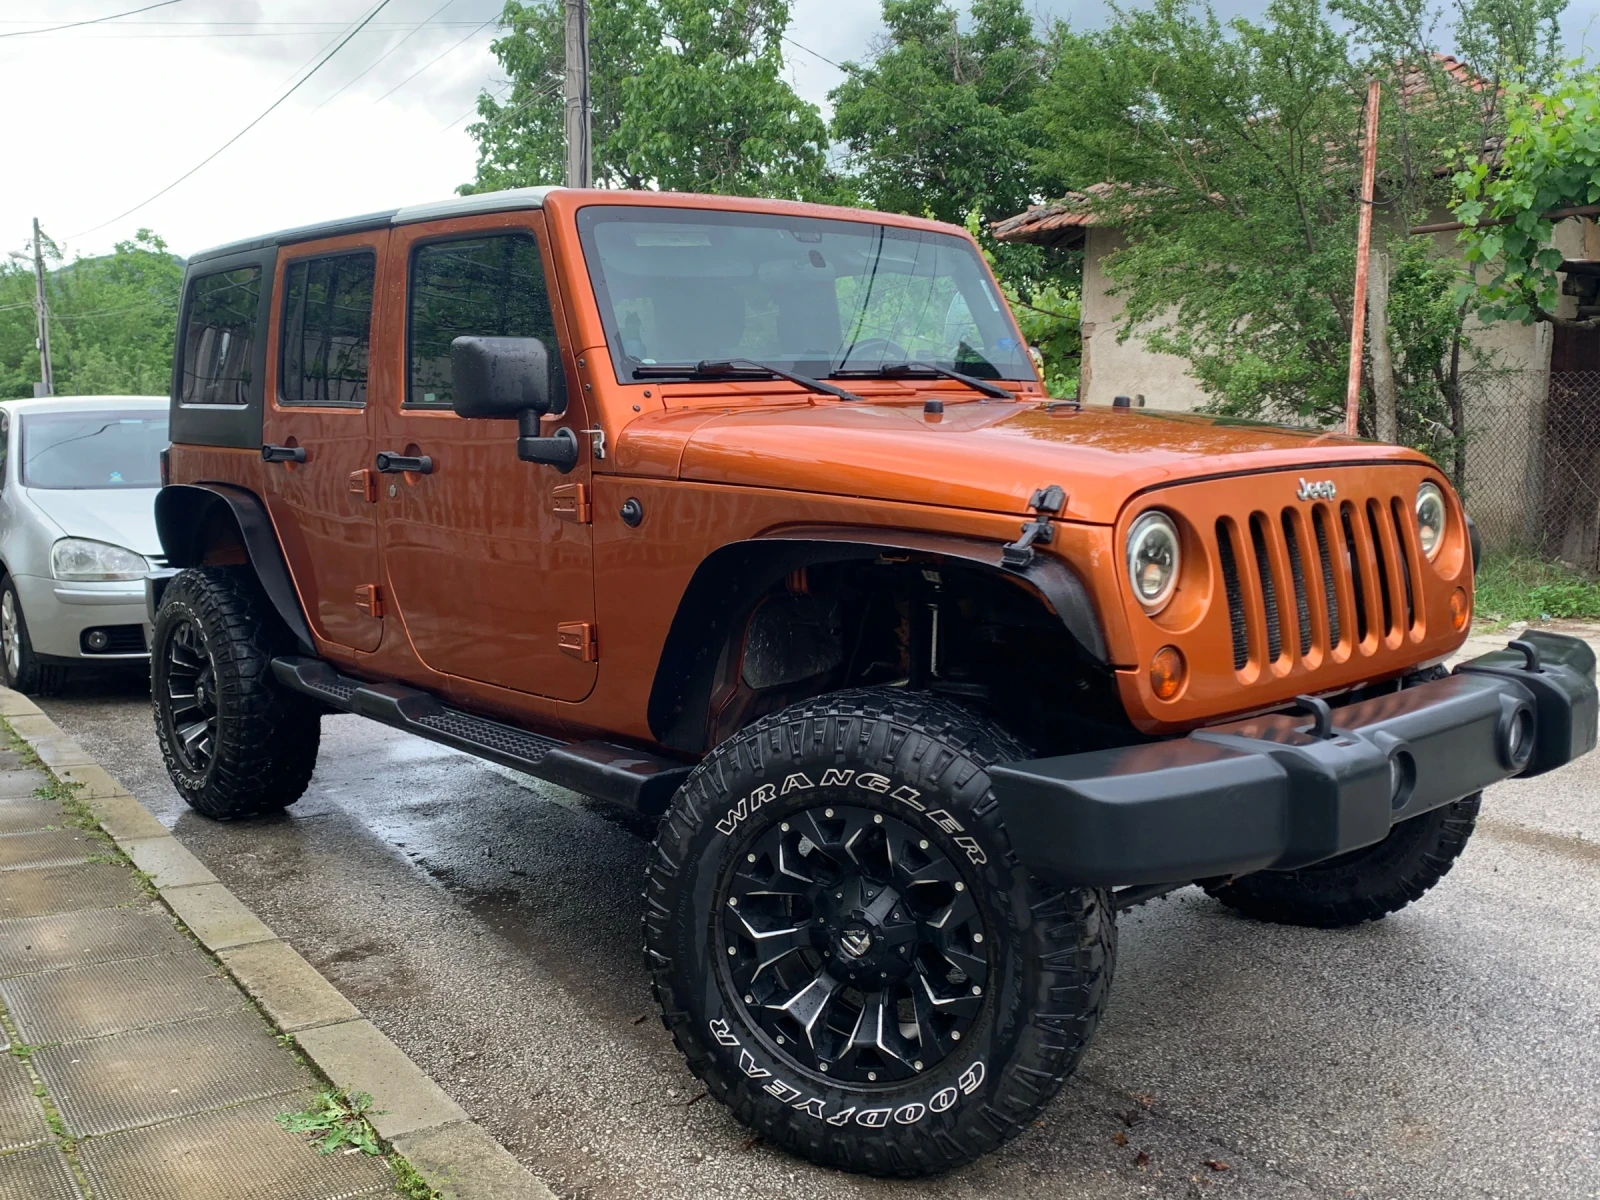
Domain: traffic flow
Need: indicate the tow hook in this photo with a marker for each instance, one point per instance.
(1046, 503)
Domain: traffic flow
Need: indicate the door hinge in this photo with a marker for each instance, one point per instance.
(369, 599)
(570, 502)
(364, 483)
(577, 639)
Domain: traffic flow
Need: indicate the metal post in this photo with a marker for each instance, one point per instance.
(41, 310)
(577, 94)
(1358, 317)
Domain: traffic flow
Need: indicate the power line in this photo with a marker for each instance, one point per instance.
(291, 91)
(93, 21)
(430, 63)
(415, 29)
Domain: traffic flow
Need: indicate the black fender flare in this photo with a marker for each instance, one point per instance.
(182, 513)
(733, 577)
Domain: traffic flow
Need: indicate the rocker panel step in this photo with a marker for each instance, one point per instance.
(636, 779)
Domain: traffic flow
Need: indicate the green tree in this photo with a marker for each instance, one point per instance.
(113, 321)
(1550, 160)
(686, 95)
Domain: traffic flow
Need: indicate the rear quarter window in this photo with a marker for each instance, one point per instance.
(219, 337)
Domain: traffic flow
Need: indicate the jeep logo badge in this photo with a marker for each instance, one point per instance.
(855, 942)
(1323, 489)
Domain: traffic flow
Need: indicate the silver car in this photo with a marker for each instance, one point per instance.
(77, 533)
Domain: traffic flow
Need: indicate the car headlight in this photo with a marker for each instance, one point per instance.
(83, 561)
(1153, 560)
(1431, 517)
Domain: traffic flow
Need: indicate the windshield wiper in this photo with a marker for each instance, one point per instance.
(908, 370)
(738, 368)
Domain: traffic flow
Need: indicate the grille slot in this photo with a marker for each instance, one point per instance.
(1398, 512)
(1330, 593)
(1385, 588)
(1358, 583)
(1302, 608)
(1230, 583)
(1269, 586)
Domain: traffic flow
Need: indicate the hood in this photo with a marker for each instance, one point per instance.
(993, 456)
(122, 516)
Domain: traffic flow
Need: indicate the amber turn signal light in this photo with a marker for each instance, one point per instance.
(1460, 610)
(1167, 672)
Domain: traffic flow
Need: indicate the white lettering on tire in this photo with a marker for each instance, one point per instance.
(872, 1118)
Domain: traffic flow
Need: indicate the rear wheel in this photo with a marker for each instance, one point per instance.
(847, 950)
(235, 742)
(1364, 885)
(20, 666)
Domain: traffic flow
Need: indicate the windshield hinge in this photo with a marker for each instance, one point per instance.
(1046, 503)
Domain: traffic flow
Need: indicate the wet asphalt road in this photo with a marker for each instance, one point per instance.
(490, 925)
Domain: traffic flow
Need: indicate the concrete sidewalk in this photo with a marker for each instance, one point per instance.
(157, 1029)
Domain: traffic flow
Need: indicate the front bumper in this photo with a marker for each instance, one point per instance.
(59, 612)
(1266, 793)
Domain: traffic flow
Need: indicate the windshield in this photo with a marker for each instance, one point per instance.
(93, 449)
(682, 286)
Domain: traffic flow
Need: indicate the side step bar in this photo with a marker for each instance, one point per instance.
(635, 779)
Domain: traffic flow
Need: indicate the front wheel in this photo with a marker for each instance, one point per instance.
(1364, 885)
(19, 665)
(236, 743)
(848, 952)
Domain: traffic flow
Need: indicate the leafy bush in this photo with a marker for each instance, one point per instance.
(1519, 587)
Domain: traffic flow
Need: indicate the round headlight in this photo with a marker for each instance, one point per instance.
(1153, 560)
(1431, 517)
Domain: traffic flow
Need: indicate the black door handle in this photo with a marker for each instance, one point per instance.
(395, 464)
(296, 454)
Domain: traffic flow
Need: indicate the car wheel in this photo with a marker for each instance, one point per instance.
(1364, 885)
(236, 743)
(19, 665)
(848, 952)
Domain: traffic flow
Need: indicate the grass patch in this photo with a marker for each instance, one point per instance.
(336, 1121)
(407, 1183)
(1519, 587)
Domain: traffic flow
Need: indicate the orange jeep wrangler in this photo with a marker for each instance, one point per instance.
(754, 516)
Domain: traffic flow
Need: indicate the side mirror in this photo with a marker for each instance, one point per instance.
(512, 378)
(502, 377)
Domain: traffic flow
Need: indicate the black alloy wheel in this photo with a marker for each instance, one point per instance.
(855, 943)
(235, 741)
(190, 687)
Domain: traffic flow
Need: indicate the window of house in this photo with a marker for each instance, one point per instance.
(219, 337)
(323, 348)
(487, 286)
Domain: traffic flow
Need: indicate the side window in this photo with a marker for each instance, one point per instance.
(487, 286)
(326, 330)
(218, 337)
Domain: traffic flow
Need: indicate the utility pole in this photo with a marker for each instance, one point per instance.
(42, 312)
(577, 94)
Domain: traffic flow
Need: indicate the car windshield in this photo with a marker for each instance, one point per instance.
(815, 296)
(93, 449)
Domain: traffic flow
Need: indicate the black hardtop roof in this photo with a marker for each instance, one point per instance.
(457, 206)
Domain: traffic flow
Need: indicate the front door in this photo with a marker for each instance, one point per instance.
(489, 560)
(322, 383)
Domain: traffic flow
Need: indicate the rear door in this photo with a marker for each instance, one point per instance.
(323, 383)
(490, 559)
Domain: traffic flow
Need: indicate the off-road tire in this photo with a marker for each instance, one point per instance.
(1364, 885)
(265, 737)
(32, 677)
(918, 760)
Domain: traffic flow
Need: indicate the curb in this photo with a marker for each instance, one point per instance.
(456, 1156)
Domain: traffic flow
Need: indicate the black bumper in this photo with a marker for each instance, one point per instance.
(1266, 793)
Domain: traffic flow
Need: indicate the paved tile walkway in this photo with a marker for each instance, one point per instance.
(137, 1069)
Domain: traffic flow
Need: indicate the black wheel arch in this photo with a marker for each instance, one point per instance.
(732, 579)
(217, 524)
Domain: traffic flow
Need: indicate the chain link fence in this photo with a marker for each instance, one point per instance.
(1533, 464)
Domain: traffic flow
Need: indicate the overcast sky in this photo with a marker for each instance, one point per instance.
(107, 115)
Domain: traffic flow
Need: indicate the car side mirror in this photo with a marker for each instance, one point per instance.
(512, 378)
(502, 377)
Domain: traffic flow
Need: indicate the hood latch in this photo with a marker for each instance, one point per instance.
(1046, 503)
